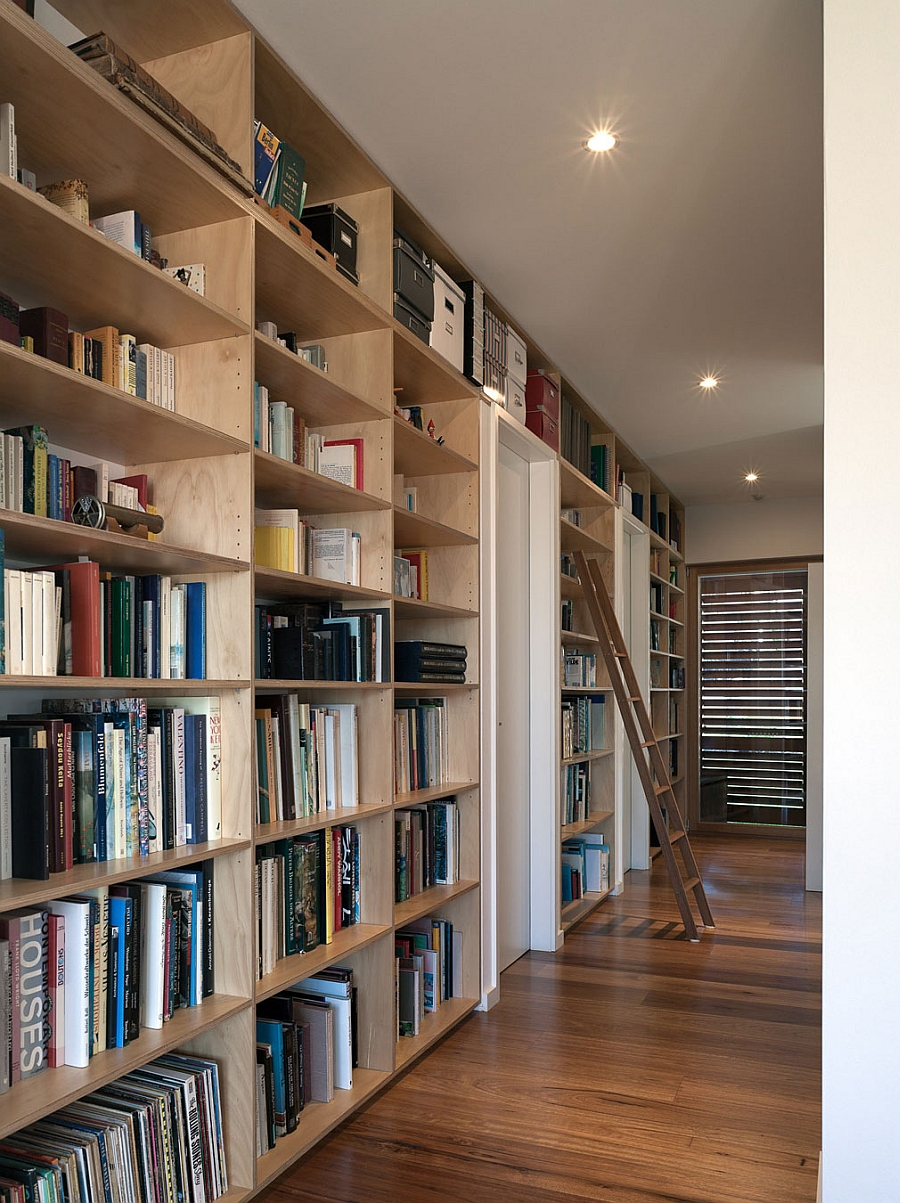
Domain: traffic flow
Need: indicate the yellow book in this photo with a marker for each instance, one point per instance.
(273, 548)
(108, 337)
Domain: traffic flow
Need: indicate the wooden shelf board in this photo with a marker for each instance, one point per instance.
(272, 585)
(55, 1088)
(32, 540)
(656, 652)
(313, 393)
(661, 580)
(277, 685)
(417, 796)
(415, 530)
(569, 830)
(286, 828)
(148, 158)
(576, 637)
(676, 588)
(162, 29)
(421, 375)
(19, 892)
(413, 607)
(429, 901)
(583, 756)
(297, 291)
(676, 622)
(278, 484)
(574, 538)
(124, 686)
(432, 1028)
(431, 689)
(583, 689)
(574, 912)
(102, 282)
(676, 554)
(417, 454)
(576, 491)
(316, 1121)
(659, 617)
(654, 852)
(89, 416)
(570, 587)
(291, 969)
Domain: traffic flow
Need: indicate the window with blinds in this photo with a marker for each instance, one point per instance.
(753, 698)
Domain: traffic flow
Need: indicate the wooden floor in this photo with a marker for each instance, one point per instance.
(632, 1066)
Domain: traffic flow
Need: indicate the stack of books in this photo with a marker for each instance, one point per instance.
(419, 660)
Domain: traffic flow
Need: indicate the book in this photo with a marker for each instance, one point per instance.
(49, 330)
(123, 228)
(333, 556)
(108, 339)
(8, 150)
(342, 460)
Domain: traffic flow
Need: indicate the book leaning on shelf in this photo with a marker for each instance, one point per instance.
(307, 758)
(90, 780)
(99, 966)
(74, 620)
(156, 1135)
(283, 541)
(428, 970)
(307, 888)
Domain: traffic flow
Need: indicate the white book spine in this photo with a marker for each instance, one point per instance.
(154, 792)
(165, 628)
(153, 954)
(13, 606)
(8, 156)
(49, 626)
(79, 1006)
(176, 633)
(28, 624)
(123, 802)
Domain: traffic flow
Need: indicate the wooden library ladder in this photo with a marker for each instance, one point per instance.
(653, 771)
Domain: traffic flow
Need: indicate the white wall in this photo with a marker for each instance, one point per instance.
(861, 1098)
(753, 530)
(815, 586)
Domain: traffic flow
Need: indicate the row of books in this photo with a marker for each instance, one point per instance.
(599, 464)
(585, 866)
(426, 847)
(411, 574)
(654, 635)
(307, 758)
(309, 641)
(101, 965)
(313, 353)
(119, 360)
(428, 970)
(567, 616)
(421, 744)
(306, 1048)
(575, 796)
(673, 758)
(307, 888)
(676, 674)
(575, 437)
(579, 670)
(657, 598)
(74, 620)
(279, 430)
(423, 660)
(152, 1136)
(583, 725)
(284, 541)
(99, 779)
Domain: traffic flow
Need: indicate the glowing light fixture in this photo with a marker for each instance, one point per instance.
(751, 478)
(601, 141)
(709, 382)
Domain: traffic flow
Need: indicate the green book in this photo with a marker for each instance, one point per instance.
(34, 468)
(121, 627)
(289, 187)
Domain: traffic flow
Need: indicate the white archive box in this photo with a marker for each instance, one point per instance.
(515, 398)
(449, 318)
(516, 356)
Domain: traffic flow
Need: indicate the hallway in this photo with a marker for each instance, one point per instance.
(630, 1067)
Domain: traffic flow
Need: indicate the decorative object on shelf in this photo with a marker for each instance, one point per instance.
(91, 511)
(71, 196)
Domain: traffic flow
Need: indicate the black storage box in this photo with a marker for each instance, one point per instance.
(337, 232)
(413, 277)
(411, 319)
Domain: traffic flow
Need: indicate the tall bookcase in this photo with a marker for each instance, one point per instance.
(206, 478)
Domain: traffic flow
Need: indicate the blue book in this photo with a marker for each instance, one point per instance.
(151, 589)
(120, 922)
(269, 1031)
(140, 373)
(53, 487)
(195, 777)
(195, 630)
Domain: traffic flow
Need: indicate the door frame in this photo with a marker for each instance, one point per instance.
(496, 426)
(692, 783)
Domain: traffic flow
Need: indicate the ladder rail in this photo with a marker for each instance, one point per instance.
(639, 731)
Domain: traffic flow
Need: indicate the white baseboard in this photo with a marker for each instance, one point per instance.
(489, 999)
(819, 1189)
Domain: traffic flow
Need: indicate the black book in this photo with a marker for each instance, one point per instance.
(209, 947)
(421, 647)
(30, 812)
(264, 1058)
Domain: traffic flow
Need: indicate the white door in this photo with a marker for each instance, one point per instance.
(627, 627)
(513, 671)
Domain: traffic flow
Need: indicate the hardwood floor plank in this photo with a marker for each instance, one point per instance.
(630, 1067)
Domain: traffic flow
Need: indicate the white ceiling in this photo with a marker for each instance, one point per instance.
(696, 244)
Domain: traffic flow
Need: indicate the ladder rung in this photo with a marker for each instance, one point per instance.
(651, 743)
(662, 789)
(691, 883)
(637, 698)
(678, 835)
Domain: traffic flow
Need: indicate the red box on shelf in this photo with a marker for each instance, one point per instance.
(542, 393)
(544, 426)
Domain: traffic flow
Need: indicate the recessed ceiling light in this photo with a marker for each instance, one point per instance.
(751, 478)
(709, 382)
(602, 140)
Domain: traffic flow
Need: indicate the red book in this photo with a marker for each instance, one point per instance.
(84, 482)
(84, 587)
(50, 330)
(56, 989)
